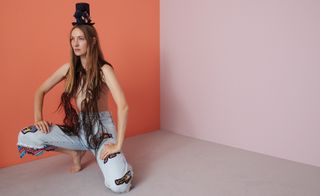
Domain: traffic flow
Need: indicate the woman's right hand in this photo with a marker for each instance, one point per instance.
(42, 126)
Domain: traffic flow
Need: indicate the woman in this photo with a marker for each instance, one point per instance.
(87, 124)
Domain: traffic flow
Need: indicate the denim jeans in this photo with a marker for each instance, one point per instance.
(117, 172)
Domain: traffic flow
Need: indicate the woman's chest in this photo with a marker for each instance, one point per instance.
(102, 100)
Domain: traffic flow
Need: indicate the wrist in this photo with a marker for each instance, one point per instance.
(118, 145)
(37, 120)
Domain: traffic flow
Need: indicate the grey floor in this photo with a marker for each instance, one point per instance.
(169, 164)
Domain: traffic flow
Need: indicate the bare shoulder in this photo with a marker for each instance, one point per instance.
(109, 77)
(55, 78)
(106, 67)
(114, 85)
(107, 71)
(66, 65)
(64, 68)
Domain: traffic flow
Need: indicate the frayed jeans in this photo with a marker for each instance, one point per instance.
(115, 168)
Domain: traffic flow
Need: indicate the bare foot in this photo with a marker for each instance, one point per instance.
(76, 159)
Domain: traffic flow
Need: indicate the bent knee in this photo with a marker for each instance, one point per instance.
(120, 188)
(29, 129)
(122, 184)
(27, 136)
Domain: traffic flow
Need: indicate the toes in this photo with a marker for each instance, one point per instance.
(75, 169)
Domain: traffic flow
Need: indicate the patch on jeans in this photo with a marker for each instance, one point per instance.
(106, 135)
(30, 129)
(97, 140)
(34, 151)
(125, 179)
(110, 156)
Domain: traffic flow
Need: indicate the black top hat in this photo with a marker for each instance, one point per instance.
(82, 14)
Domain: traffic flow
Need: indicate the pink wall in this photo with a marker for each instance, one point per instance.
(243, 73)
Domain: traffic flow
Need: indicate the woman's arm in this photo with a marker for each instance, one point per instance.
(45, 87)
(122, 109)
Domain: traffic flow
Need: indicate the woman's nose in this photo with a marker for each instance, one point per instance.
(75, 42)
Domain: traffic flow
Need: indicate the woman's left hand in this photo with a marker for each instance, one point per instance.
(109, 149)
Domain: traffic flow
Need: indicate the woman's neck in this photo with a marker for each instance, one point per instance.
(83, 61)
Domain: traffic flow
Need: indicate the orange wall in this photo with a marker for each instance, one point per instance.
(34, 43)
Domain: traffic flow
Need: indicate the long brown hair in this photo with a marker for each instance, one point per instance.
(89, 80)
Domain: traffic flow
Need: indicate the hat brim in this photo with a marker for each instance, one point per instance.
(75, 23)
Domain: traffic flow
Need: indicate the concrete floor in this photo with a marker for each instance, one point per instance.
(169, 164)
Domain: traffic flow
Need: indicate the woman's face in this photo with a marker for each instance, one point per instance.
(78, 42)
